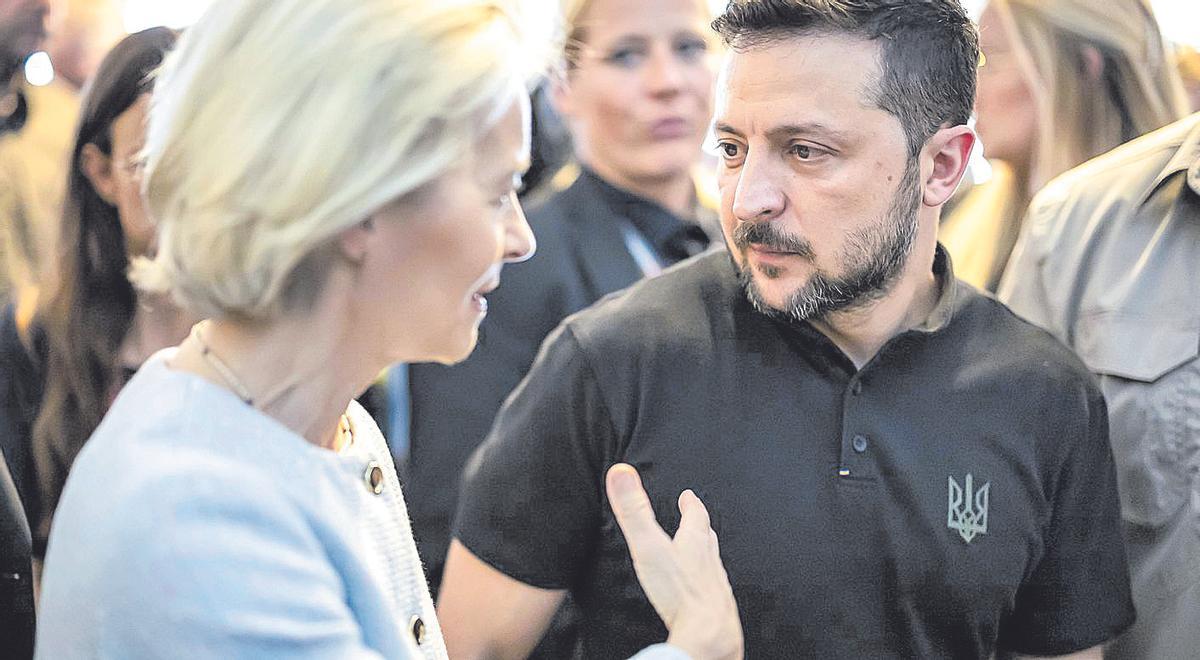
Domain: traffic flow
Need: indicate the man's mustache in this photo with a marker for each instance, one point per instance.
(766, 236)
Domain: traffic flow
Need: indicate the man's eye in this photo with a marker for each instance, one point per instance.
(729, 149)
(804, 152)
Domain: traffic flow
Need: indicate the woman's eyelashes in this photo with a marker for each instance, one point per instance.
(631, 54)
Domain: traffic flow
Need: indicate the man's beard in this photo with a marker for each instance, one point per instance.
(872, 260)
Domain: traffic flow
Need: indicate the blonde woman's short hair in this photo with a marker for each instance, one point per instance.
(277, 124)
(572, 10)
(575, 28)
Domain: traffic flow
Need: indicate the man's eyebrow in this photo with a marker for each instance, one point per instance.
(722, 127)
(782, 133)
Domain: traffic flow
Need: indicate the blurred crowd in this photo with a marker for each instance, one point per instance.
(1080, 211)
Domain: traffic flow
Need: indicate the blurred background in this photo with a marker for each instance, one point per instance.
(107, 20)
(82, 31)
(1180, 18)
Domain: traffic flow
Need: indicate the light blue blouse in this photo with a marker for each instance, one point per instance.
(194, 526)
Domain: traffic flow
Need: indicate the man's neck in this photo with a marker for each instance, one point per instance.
(860, 333)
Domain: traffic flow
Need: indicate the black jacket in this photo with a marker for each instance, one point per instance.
(16, 570)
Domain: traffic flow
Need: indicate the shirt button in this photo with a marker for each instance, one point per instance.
(373, 477)
(860, 443)
(856, 388)
(417, 628)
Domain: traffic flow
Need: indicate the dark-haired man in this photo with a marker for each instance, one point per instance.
(897, 466)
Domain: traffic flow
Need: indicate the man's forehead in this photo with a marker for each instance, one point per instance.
(819, 75)
(815, 58)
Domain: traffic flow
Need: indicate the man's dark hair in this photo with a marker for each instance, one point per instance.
(928, 50)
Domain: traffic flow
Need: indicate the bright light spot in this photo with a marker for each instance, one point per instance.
(141, 14)
(973, 7)
(979, 168)
(1180, 20)
(39, 72)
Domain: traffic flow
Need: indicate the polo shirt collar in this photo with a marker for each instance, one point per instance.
(671, 236)
(948, 300)
(952, 296)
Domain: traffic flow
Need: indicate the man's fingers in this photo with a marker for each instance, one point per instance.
(694, 524)
(632, 508)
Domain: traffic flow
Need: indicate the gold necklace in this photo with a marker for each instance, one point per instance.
(221, 367)
(345, 431)
(345, 434)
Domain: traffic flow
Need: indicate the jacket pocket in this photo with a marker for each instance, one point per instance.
(1135, 347)
(1149, 369)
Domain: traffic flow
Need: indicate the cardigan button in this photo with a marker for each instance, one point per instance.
(417, 628)
(374, 477)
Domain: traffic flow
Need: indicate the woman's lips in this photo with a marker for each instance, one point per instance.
(480, 303)
(479, 298)
(671, 128)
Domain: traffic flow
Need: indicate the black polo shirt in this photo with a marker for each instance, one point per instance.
(954, 496)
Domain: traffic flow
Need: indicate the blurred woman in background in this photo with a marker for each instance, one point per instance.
(1063, 81)
(1187, 58)
(70, 352)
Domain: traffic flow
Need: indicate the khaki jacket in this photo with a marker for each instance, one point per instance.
(1109, 261)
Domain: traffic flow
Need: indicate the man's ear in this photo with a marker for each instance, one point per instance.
(97, 166)
(950, 152)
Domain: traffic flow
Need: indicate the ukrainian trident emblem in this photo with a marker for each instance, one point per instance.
(967, 509)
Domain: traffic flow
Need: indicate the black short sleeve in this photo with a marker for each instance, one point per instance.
(532, 493)
(1078, 596)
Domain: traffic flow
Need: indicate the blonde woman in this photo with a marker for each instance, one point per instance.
(334, 183)
(1063, 81)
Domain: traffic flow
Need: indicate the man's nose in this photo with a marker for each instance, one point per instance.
(758, 195)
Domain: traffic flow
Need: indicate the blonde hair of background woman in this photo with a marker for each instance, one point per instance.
(575, 27)
(261, 150)
(1079, 115)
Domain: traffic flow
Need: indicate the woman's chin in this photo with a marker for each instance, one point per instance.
(460, 350)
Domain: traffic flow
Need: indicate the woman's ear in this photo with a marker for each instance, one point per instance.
(950, 151)
(561, 97)
(354, 241)
(97, 166)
